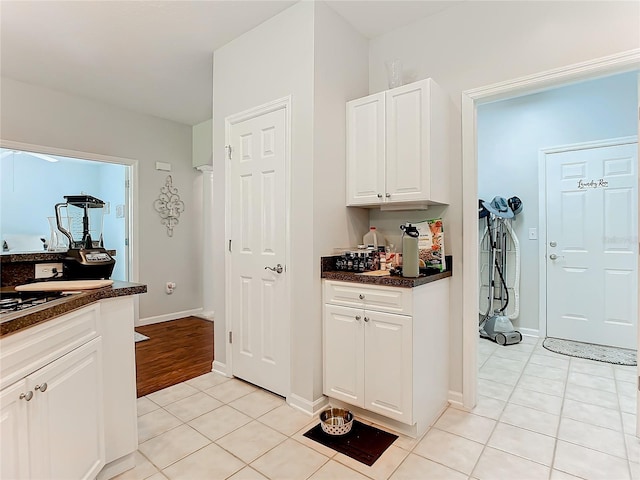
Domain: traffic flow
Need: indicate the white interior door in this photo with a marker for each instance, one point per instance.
(592, 235)
(259, 303)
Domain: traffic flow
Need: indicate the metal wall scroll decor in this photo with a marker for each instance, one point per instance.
(169, 206)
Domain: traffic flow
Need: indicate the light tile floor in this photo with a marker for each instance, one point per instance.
(540, 415)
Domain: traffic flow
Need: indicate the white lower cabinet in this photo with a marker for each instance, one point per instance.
(368, 360)
(391, 364)
(67, 396)
(52, 421)
(14, 437)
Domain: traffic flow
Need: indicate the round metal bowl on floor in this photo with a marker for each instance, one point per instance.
(336, 421)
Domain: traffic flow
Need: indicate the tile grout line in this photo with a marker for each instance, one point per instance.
(497, 421)
(555, 442)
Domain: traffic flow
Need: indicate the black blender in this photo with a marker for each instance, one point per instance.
(86, 258)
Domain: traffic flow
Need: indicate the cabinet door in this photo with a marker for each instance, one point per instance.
(14, 443)
(366, 150)
(343, 349)
(66, 420)
(388, 365)
(407, 127)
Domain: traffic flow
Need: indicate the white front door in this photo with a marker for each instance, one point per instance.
(258, 293)
(592, 238)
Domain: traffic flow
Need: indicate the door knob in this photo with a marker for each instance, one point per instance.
(388, 195)
(358, 317)
(553, 244)
(553, 256)
(379, 195)
(27, 396)
(278, 268)
(42, 387)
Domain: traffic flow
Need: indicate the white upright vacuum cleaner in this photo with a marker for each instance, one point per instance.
(500, 248)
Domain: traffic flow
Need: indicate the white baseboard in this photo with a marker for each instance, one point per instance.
(118, 466)
(456, 399)
(168, 316)
(221, 368)
(206, 315)
(305, 406)
(529, 332)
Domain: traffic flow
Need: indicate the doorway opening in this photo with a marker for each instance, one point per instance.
(511, 134)
(471, 100)
(34, 179)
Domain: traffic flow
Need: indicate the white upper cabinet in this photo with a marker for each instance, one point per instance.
(397, 147)
(366, 143)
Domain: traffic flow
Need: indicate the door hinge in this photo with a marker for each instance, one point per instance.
(126, 184)
(230, 337)
(126, 242)
(229, 245)
(229, 151)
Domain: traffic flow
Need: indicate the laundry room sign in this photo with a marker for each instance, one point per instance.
(602, 183)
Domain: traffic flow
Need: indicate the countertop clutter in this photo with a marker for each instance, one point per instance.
(329, 272)
(14, 322)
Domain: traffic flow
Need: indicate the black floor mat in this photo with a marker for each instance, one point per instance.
(363, 443)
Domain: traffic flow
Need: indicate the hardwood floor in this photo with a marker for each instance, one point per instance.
(176, 351)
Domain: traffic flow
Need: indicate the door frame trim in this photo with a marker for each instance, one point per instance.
(542, 215)
(272, 106)
(618, 63)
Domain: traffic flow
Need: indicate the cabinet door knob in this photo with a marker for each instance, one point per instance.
(379, 195)
(388, 195)
(42, 387)
(361, 296)
(358, 317)
(27, 396)
(366, 319)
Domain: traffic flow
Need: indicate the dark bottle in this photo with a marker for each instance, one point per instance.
(349, 262)
(363, 263)
(356, 262)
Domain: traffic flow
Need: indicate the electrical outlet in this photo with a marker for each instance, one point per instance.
(533, 233)
(48, 270)
(170, 287)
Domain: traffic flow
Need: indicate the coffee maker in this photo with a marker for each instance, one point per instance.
(86, 257)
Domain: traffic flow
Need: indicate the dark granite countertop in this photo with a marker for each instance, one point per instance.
(328, 272)
(14, 322)
(44, 256)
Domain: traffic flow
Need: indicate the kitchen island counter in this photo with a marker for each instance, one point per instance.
(328, 272)
(15, 322)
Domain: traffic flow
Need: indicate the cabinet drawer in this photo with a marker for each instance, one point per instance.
(370, 297)
(32, 348)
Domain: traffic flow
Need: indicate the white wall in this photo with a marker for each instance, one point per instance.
(40, 116)
(272, 61)
(340, 74)
(313, 55)
(473, 44)
(512, 132)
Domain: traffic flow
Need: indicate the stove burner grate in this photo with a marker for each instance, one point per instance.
(16, 301)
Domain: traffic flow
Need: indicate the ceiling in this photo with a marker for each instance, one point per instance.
(154, 57)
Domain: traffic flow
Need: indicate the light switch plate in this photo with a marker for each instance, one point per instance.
(533, 233)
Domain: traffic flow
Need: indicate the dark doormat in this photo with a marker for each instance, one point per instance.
(363, 443)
